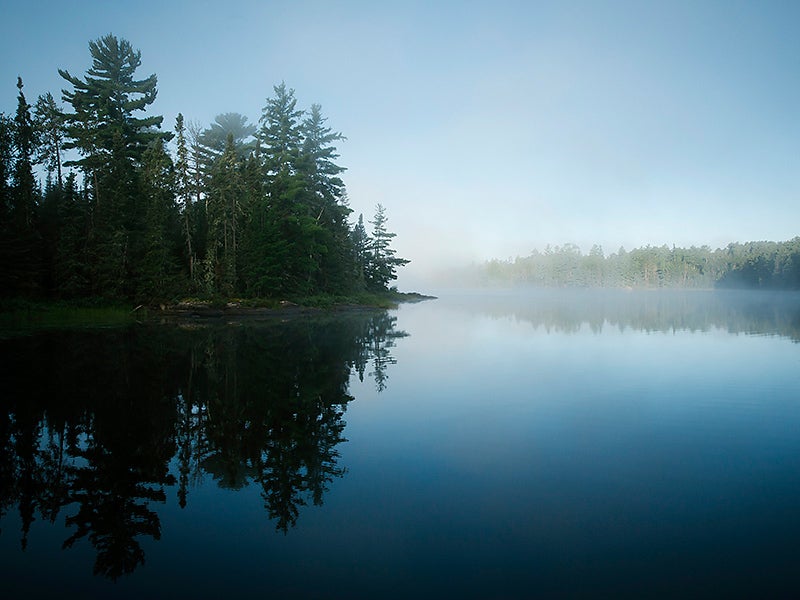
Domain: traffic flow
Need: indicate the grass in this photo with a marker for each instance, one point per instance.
(388, 299)
(36, 315)
(22, 315)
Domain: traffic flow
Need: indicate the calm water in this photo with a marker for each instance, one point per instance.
(478, 446)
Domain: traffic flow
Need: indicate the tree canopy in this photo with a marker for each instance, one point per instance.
(755, 265)
(235, 209)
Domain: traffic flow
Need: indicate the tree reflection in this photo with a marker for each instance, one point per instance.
(569, 311)
(125, 415)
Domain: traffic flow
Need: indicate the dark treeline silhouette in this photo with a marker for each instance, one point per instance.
(239, 209)
(259, 404)
(752, 265)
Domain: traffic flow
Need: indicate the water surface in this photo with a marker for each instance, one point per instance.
(503, 445)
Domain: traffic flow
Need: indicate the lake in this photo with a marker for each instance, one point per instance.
(482, 445)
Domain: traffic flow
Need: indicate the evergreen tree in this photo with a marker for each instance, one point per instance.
(328, 202)
(6, 165)
(158, 276)
(360, 249)
(112, 142)
(199, 176)
(280, 134)
(105, 103)
(281, 245)
(318, 154)
(48, 226)
(224, 222)
(383, 263)
(19, 241)
(183, 183)
(49, 123)
(215, 137)
(71, 262)
(261, 211)
(24, 183)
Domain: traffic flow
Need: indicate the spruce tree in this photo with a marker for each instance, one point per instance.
(383, 263)
(24, 183)
(20, 250)
(359, 243)
(280, 134)
(317, 160)
(286, 246)
(49, 123)
(225, 199)
(158, 268)
(327, 202)
(183, 188)
(71, 261)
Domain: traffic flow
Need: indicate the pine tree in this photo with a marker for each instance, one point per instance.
(112, 142)
(105, 103)
(215, 137)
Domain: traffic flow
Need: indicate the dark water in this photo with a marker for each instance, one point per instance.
(481, 446)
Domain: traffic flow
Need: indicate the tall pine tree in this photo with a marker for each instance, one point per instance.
(112, 141)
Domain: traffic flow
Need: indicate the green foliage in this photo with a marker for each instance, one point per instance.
(104, 105)
(129, 239)
(240, 210)
(49, 124)
(20, 243)
(34, 316)
(158, 276)
(760, 265)
(280, 133)
(382, 264)
(72, 260)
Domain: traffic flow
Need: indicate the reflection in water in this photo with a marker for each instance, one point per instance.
(567, 311)
(90, 422)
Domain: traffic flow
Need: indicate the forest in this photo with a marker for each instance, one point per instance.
(98, 202)
(751, 265)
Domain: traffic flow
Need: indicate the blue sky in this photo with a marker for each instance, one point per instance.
(487, 129)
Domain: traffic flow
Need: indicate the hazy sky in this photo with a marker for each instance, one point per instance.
(488, 128)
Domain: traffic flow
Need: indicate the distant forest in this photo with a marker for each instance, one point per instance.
(239, 209)
(754, 265)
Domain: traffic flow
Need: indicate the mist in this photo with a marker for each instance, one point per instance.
(492, 130)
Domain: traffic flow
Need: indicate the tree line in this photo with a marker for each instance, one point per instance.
(755, 265)
(237, 209)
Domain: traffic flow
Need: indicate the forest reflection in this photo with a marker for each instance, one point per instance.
(569, 311)
(99, 426)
